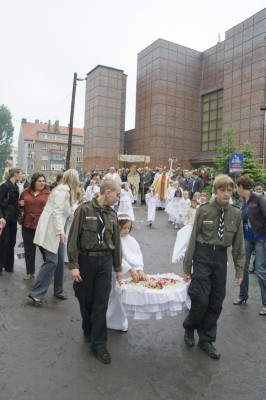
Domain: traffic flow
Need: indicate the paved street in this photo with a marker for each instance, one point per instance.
(43, 354)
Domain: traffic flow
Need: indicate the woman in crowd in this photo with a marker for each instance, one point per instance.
(254, 223)
(33, 200)
(50, 234)
(9, 194)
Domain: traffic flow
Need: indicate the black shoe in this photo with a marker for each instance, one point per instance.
(238, 302)
(103, 355)
(36, 301)
(209, 349)
(1, 273)
(9, 270)
(61, 296)
(189, 338)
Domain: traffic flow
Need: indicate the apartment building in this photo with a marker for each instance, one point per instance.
(43, 147)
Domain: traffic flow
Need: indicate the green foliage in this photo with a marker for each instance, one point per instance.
(6, 136)
(252, 166)
(221, 163)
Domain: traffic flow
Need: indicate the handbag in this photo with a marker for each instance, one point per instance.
(20, 215)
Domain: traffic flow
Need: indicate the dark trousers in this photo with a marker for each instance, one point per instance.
(207, 291)
(143, 194)
(7, 245)
(30, 249)
(93, 295)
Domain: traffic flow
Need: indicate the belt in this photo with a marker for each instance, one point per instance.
(212, 247)
(98, 253)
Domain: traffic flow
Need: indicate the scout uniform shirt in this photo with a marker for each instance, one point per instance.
(205, 230)
(84, 234)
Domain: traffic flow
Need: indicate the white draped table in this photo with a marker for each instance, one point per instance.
(142, 303)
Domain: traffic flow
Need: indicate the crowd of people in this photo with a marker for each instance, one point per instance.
(94, 218)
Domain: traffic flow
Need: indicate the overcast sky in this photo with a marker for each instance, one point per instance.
(43, 42)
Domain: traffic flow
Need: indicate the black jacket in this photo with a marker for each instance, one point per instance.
(257, 213)
(9, 194)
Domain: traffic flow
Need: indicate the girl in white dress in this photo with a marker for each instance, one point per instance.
(151, 201)
(183, 236)
(132, 262)
(92, 189)
(184, 206)
(126, 201)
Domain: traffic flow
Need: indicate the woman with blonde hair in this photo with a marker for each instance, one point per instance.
(50, 234)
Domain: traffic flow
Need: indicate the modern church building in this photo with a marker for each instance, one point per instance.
(184, 99)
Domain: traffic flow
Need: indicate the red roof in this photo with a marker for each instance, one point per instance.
(30, 130)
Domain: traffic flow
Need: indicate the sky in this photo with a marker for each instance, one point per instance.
(44, 42)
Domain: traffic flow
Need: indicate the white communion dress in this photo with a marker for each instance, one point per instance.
(151, 201)
(131, 258)
(183, 236)
(125, 204)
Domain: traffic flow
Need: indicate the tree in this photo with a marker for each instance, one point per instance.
(221, 163)
(252, 166)
(6, 136)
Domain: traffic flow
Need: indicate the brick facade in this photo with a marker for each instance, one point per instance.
(104, 117)
(171, 82)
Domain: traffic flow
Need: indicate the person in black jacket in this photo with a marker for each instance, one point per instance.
(197, 184)
(9, 194)
(254, 225)
(187, 182)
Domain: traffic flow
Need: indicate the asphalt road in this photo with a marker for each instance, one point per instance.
(43, 354)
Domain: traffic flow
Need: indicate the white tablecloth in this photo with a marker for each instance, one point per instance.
(142, 303)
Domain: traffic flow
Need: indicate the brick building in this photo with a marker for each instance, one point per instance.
(104, 117)
(43, 147)
(184, 99)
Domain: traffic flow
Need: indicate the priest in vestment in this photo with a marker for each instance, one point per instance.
(133, 180)
(160, 185)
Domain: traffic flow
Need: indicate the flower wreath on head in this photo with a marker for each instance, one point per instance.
(123, 217)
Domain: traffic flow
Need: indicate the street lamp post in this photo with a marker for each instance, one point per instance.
(71, 119)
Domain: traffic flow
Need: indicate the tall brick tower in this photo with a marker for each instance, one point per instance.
(104, 117)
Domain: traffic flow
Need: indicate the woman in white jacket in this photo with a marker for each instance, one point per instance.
(50, 234)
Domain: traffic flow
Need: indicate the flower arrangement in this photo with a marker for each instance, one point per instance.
(155, 283)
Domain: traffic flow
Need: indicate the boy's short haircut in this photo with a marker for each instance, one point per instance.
(221, 182)
(109, 184)
(245, 181)
(258, 184)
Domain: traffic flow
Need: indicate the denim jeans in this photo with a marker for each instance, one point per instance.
(260, 267)
(53, 267)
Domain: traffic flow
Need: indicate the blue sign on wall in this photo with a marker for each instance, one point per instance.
(236, 163)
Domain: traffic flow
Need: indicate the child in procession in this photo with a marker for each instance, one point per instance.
(132, 263)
